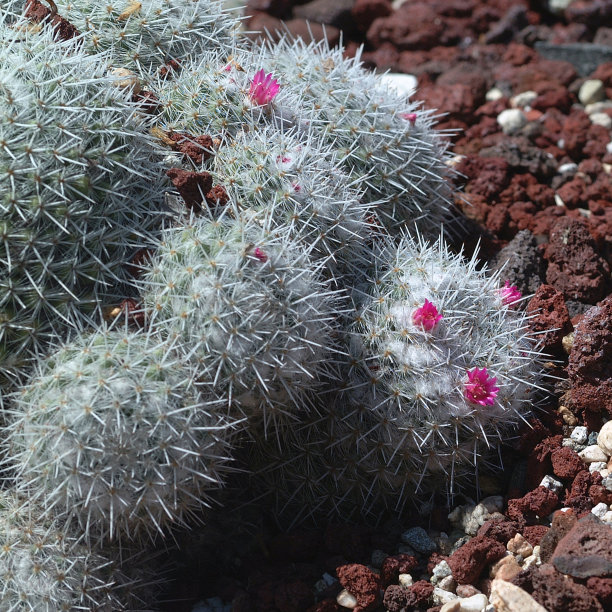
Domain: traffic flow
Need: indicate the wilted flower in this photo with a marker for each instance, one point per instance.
(260, 254)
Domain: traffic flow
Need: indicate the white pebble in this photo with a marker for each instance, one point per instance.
(592, 453)
(609, 147)
(600, 510)
(511, 120)
(523, 99)
(494, 94)
(604, 438)
(475, 603)
(448, 584)
(602, 119)
(569, 167)
(597, 466)
(405, 580)
(440, 596)
(607, 517)
(580, 434)
(403, 84)
(558, 6)
(597, 107)
(552, 483)
(591, 91)
(451, 606)
(346, 600)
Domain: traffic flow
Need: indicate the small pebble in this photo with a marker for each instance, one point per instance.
(346, 600)
(597, 466)
(507, 597)
(607, 517)
(451, 606)
(419, 540)
(593, 453)
(494, 94)
(580, 434)
(466, 590)
(609, 147)
(405, 580)
(569, 442)
(591, 91)
(604, 438)
(441, 570)
(519, 546)
(602, 119)
(569, 167)
(550, 482)
(558, 6)
(403, 84)
(600, 510)
(598, 107)
(448, 583)
(523, 99)
(511, 120)
(440, 596)
(475, 603)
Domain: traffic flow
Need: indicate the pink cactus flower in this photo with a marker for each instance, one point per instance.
(480, 388)
(427, 316)
(509, 294)
(260, 254)
(296, 187)
(263, 88)
(412, 117)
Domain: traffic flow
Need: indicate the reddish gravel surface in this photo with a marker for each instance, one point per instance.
(538, 198)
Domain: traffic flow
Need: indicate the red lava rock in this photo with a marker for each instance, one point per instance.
(562, 523)
(468, 562)
(148, 101)
(543, 220)
(602, 589)
(197, 148)
(422, 590)
(551, 319)
(574, 133)
(573, 193)
(466, 73)
(599, 494)
(558, 593)
(362, 583)
(192, 186)
(590, 12)
(518, 54)
(589, 361)
(398, 598)
(578, 495)
(586, 550)
(133, 311)
(457, 100)
(539, 461)
(574, 267)
(366, 11)
(312, 31)
(534, 533)
(395, 565)
(293, 596)
(170, 67)
(217, 196)
(566, 462)
(486, 177)
(537, 503)
(500, 530)
(603, 72)
(37, 12)
(326, 605)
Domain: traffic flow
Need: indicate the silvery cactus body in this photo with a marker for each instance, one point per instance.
(111, 431)
(80, 187)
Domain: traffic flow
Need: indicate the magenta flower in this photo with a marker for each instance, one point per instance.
(412, 117)
(427, 316)
(263, 88)
(480, 388)
(260, 254)
(509, 294)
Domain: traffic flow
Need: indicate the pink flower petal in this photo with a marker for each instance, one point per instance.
(480, 388)
(426, 316)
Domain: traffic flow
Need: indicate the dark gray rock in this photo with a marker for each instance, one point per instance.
(585, 57)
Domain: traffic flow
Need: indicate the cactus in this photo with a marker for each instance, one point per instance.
(43, 568)
(80, 186)
(251, 309)
(144, 36)
(111, 432)
(382, 137)
(441, 372)
(297, 183)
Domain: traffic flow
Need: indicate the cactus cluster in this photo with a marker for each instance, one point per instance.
(298, 309)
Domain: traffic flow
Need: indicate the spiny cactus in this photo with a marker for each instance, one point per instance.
(251, 310)
(111, 431)
(297, 183)
(143, 36)
(45, 569)
(382, 137)
(80, 186)
(441, 372)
